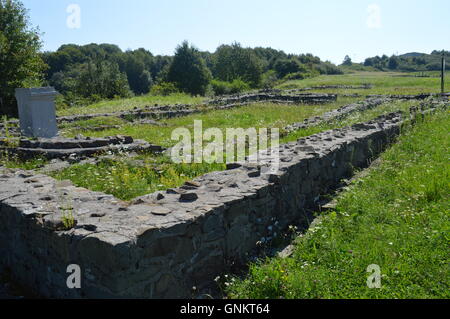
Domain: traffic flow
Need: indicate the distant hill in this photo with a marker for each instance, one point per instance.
(409, 62)
(411, 55)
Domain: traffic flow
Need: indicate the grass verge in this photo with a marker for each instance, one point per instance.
(384, 83)
(109, 106)
(397, 217)
(254, 115)
(351, 119)
(125, 180)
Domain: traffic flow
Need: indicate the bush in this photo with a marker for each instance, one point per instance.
(21, 64)
(70, 99)
(269, 79)
(189, 71)
(233, 62)
(301, 75)
(328, 68)
(164, 89)
(224, 88)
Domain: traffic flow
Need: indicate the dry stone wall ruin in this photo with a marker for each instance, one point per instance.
(77, 148)
(163, 244)
(157, 112)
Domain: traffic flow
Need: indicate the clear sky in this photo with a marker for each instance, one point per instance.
(329, 29)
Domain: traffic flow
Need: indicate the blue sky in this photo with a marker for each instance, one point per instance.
(327, 28)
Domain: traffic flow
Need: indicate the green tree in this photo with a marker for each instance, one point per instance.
(233, 62)
(393, 63)
(285, 66)
(102, 79)
(347, 61)
(188, 70)
(20, 61)
(139, 77)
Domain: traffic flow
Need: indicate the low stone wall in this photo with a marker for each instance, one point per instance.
(322, 87)
(337, 114)
(155, 112)
(165, 243)
(311, 98)
(63, 148)
(227, 102)
(422, 96)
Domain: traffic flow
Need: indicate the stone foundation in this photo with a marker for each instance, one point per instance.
(63, 148)
(163, 244)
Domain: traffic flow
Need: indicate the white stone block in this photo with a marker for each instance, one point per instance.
(37, 113)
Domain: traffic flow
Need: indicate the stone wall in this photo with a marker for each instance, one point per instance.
(163, 244)
(311, 98)
(158, 112)
(79, 148)
(337, 114)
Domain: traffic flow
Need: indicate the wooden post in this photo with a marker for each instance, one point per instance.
(443, 74)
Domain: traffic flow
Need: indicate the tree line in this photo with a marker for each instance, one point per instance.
(410, 62)
(99, 71)
(83, 74)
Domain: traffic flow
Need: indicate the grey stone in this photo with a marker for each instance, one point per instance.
(160, 211)
(37, 112)
(137, 254)
(188, 197)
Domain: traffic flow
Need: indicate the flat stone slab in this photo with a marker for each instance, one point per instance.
(62, 148)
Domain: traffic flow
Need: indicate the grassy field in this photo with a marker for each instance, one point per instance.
(125, 180)
(109, 106)
(397, 217)
(357, 117)
(384, 83)
(254, 115)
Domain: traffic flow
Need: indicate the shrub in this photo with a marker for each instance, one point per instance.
(164, 89)
(328, 68)
(20, 62)
(189, 71)
(285, 66)
(223, 87)
(301, 75)
(233, 62)
(269, 79)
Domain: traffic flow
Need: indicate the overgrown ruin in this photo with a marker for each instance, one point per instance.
(161, 245)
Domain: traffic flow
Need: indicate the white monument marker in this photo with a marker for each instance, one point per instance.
(37, 112)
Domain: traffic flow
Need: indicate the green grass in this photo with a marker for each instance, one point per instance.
(126, 181)
(396, 217)
(11, 161)
(357, 117)
(109, 106)
(122, 179)
(436, 74)
(384, 83)
(254, 115)
(94, 122)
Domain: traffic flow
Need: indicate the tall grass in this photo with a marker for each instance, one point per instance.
(255, 115)
(397, 217)
(384, 83)
(109, 106)
(125, 180)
